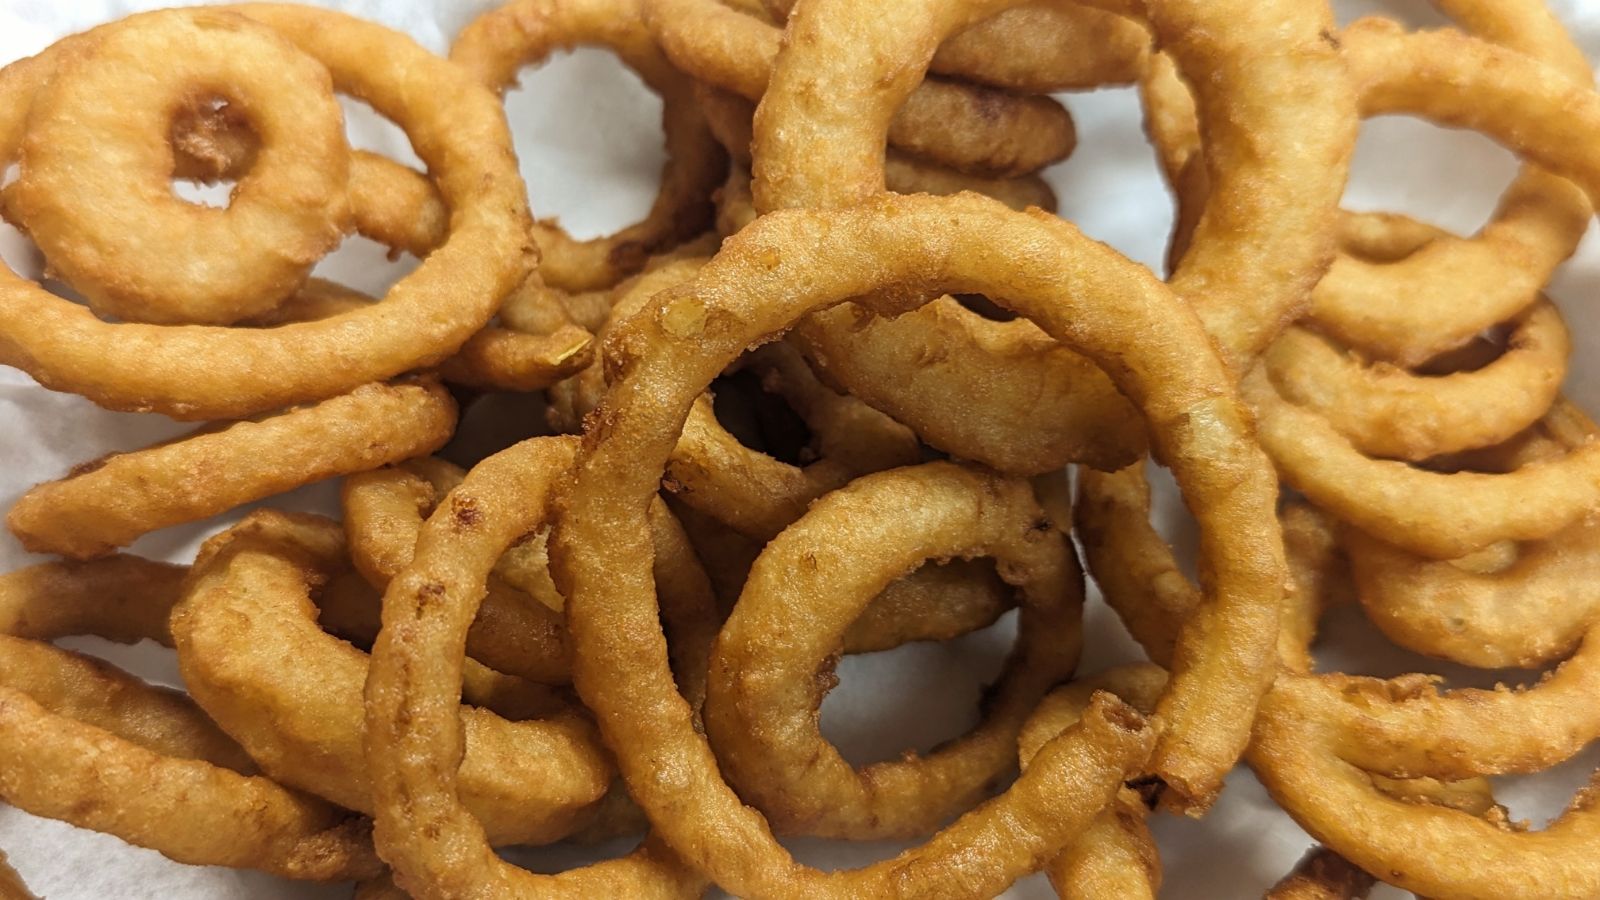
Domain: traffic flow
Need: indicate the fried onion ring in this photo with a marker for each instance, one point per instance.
(751, 292)
(89, 744)
(195, 372)
(1322, 875)
(761, 706)
(12, 887)
(527, 782)
(108, 503)
(94, 189)
(494, 46)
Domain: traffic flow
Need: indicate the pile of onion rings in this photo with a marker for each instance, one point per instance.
(850, 384)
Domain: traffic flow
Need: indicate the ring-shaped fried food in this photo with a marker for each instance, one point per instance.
(12, 887)
(94, 189)
(1117, 855)
(1443, 515)
(494, 46)
(1528, 612)
(108, 503)
(1260, 245)
(435, 845)
(86, 743)
(967, 127)
(202, 372)
(515, 632)
(1393, 413)
(761, 706)
(1452, 287)
(251, 587)
(752, 291)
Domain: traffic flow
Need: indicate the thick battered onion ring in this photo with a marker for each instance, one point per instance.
(247, 607)
(1390, 412)
(1041, 267)
(964, 126)
(523, 33)
(1525, 613)
(458, 130)
(730, 117)
(437, 848)
(1322, 875)
(1439, 514)
(94, 190)
(383, 512)
(89, 744)
(108, 503)
(1117, 855)
(761, 706)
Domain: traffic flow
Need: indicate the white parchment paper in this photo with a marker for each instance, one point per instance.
(589, 140)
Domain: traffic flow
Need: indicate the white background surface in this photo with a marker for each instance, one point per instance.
(589, 142)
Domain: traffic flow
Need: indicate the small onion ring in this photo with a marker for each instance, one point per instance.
(247, 607)
(94, 188)
(1393, 413)
(436, 846)
(108, 503)
(12, 887)
(200, 372)
(751, 292)
(761, 706)
(494, 46)
(93, 746)
(966, 127)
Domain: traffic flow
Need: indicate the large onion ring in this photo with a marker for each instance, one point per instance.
(108, 503)
(458, 130)
(94, 190)
(750, 293)
(761, 705)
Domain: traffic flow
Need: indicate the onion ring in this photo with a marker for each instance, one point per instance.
(527, 782)
(1527, 613)
(428, 607)
(664, 359)
(94, 188)
(761, 707)
(523, 33)
(207, 373)
(1117, 855)
(1439, 514)
(88, 744)
(1396, 414)
(12, 887)
(108, 503)
(963, 126)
